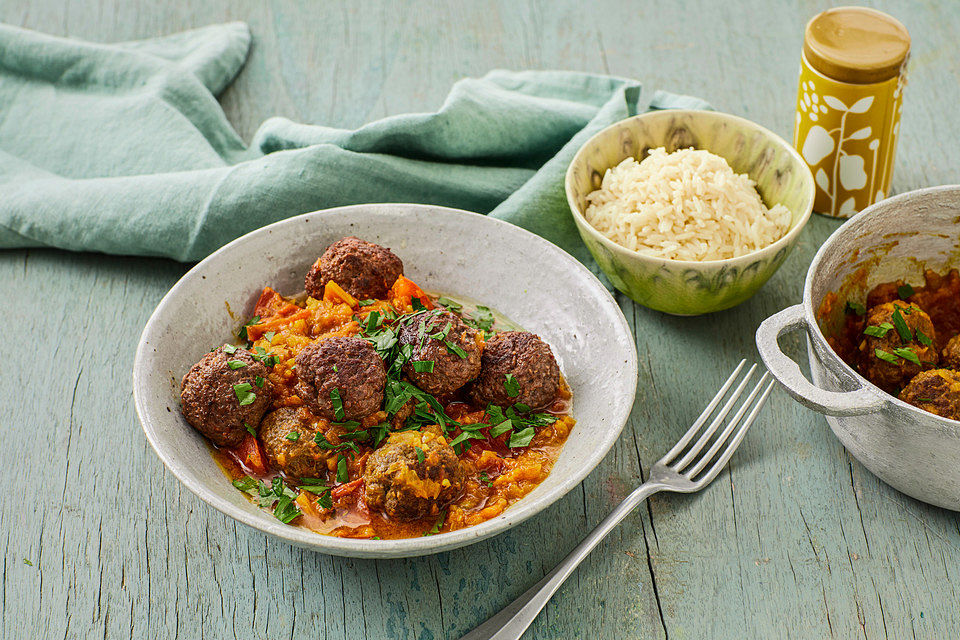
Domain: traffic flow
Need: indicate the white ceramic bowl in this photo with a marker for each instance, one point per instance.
(528, 279)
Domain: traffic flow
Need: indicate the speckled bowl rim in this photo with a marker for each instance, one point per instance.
(620, 408)
(787, 239)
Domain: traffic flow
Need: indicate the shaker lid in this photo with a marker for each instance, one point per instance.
(856, 44)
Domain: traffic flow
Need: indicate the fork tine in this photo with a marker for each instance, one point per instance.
(731, 425)
(737, 438)
(688, 436)
(717, 421)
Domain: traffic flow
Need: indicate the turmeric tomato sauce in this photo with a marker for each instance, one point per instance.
(939, 297)
(496, 475)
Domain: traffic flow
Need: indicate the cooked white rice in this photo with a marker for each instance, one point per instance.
(685, 205)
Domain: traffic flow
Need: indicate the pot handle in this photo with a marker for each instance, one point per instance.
(787, 372)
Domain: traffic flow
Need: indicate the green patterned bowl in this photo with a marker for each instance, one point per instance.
(681, 287)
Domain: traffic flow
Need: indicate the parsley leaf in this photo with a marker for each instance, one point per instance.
(293, 436)
(423, 366)
(901, 325)
(886, 356)
(878, 331)
(421, 456)
(511, 386)
(485, 479)
(342, 473)
(337, 402)
(286, 510)
(923, 338)
(453, 305)
(244, 393)
(521, 438)
(435, 529)
(905, 291)
(907, 354)
(229, 348)
(855, 309)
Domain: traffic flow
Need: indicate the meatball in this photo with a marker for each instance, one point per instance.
(413, 475)
(892, 376)
(364, 270)
(936, 391)
(225, 392)
(347, 368)
(950, 356)
(288, 441)
(517, 367)
(443, 339)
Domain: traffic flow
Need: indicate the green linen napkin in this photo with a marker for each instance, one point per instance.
(123, 148)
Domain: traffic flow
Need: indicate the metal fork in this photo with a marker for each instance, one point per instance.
(691, 472)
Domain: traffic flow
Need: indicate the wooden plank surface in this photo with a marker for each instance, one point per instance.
(798, 540)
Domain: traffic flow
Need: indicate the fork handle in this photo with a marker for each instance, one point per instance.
(513, 620)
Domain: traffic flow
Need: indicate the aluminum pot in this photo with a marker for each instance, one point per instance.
(913, 451)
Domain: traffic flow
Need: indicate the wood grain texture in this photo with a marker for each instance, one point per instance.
(798, 540)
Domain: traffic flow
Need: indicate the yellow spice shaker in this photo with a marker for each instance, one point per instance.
(852, 74)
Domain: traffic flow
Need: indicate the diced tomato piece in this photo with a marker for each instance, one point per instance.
(249, 455)
(404, 290)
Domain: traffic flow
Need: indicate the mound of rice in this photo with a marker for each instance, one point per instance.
(685, 205)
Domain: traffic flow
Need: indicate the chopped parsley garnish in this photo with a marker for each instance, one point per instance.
(901, 326)
(250, 429)
(337, 402)
(907, 354)
(417, 304)
(453, 305)
(326, 445)
(511, 386)
(268, 336)
(435, 529)
(258, 381)
(855, 309)
(318, 488)
(367, 302)
(923, 338)
(242, 334)
(286, 510)
(236, 364)
(421, 456)
(878, 331)
(485, 479)
(423, 366)
(266, 496)
(904, 291)
(481, 318)
(229, 348)
(521, 438)
(244, 393)
(293, 436)
(886, 356)
(342, 475)
(455, 349)
(501, 428)
(27, 562)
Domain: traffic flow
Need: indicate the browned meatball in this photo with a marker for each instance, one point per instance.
(288, 441)
(225, 392)
(892, 376)
(950, 356)
(517, 367)
(413, 475)
(344, 367)
(453, 348)
(364, 270)
(936, 391)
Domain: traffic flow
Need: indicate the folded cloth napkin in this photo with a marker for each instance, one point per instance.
(123, 148)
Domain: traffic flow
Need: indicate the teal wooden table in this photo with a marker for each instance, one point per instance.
(798, 540)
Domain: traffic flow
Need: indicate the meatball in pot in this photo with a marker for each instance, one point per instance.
(950, 356)
(516, 367)
(879, 361)
(936, 391)
(224, 392)
(288, 441)
(364, 270)
(341, 378)
(412, 475)
(445, 352)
